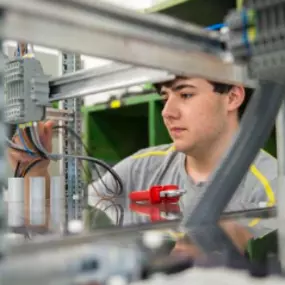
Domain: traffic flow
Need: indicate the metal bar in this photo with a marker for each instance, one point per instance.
(59, 114)
(73, 182)
(97, 80)
(58, 118)
(280, 133)
(112, 34)
(121, 233)
(58, 111)
(258, 120)
(3, 219)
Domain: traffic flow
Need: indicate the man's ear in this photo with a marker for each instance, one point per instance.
(236, 97)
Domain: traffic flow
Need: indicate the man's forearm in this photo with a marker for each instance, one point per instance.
(37, 173)
(239, 235)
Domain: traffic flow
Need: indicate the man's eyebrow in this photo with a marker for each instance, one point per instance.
(177, 87)
(180, 86)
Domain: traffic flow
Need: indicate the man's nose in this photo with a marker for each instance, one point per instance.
(170, 109)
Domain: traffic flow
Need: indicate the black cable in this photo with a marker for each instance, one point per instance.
(20, 150)
(94, 161)
(105, 166)
(16, 172)
(88, 152)
(29, 167)
(109, 169)
(29, 135)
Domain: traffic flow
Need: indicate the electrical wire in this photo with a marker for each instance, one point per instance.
(75, 135)
(88, 152)
(239, 4)
(216, 27)
(119, 211)
(21, 137)
(36, 140)
(15, 146)
(104, 165)
(29, 135)
(29, 167)
(16, 172)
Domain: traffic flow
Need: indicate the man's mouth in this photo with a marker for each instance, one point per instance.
(177, 130)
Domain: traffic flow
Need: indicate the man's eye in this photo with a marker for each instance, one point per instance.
(164, 99)
(186, 95)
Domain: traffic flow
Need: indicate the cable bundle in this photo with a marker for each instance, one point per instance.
(32, 146)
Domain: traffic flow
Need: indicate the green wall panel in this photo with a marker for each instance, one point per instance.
(114, 133)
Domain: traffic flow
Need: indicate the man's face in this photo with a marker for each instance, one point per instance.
(193, 113)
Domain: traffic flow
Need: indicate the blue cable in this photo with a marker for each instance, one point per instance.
(244, 30)
(215, 27)
(31, 153)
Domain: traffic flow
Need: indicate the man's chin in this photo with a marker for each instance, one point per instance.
(181, 147)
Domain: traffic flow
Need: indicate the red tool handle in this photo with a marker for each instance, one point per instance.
(138, 196)
(146, 195)
(153, 195)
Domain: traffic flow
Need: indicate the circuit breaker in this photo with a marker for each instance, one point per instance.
(26, 91)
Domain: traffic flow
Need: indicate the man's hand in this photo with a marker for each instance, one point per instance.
(238, 234)
(186, 248)
(14, 156)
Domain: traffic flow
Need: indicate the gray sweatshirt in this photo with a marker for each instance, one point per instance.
(162, 165)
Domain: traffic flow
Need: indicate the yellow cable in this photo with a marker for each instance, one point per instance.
(239, 4)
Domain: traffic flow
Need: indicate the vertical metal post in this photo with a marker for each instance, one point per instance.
(280, 135)
(2, 154)
(72, 173)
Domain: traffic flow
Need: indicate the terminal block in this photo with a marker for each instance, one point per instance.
(257, 36)
(26, 91)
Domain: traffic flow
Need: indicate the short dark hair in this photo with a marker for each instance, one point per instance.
(225, 88)
(220, 88)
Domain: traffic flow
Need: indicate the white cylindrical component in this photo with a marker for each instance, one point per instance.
(56, 202)
(15, 201)
(37, 201)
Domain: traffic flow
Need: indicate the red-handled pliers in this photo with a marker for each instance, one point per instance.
(158, 194)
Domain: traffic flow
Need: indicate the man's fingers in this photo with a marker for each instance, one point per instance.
(44, 130)
(15, 155)
(186, 249)
(48, 125)
(16, 140)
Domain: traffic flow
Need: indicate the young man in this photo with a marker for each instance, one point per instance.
(202, 118)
